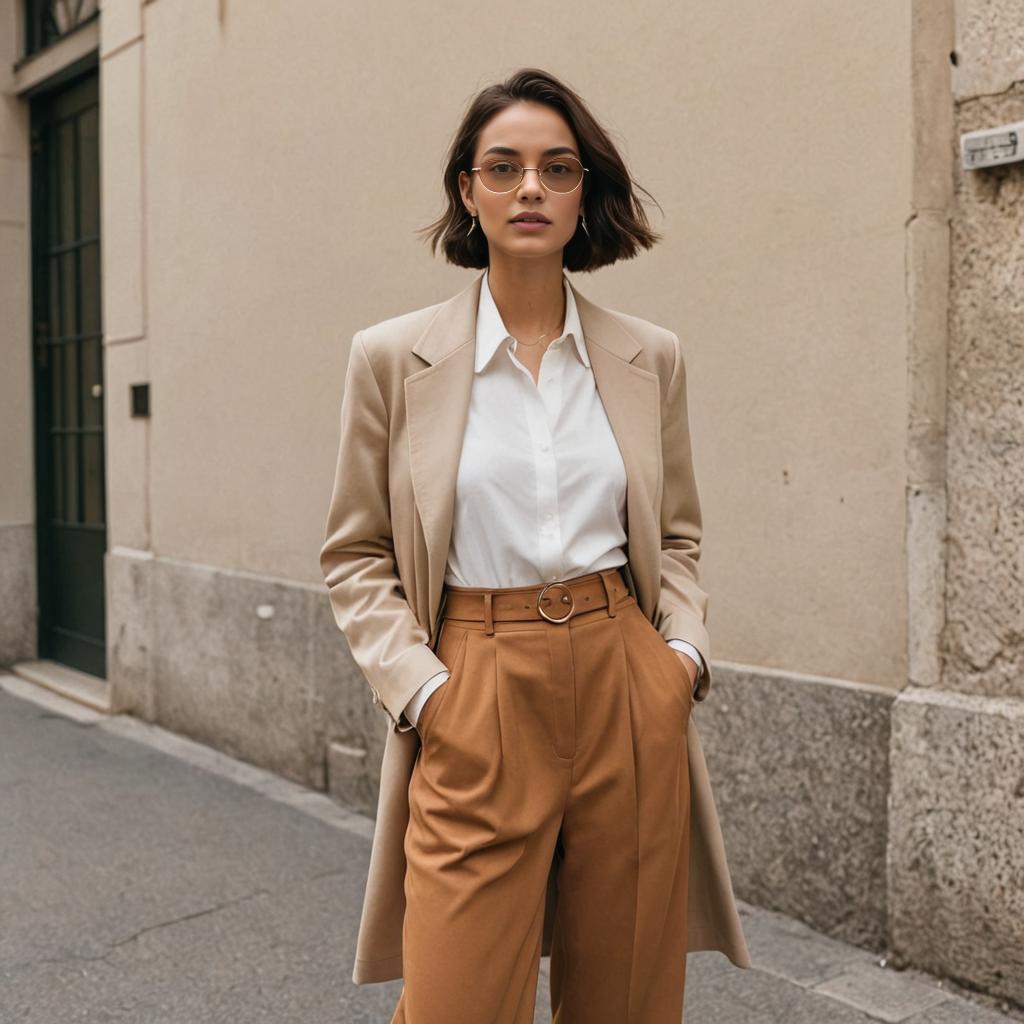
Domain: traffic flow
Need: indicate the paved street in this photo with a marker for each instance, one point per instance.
(146, 879)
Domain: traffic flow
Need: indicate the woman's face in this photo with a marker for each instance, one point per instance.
(533, 135)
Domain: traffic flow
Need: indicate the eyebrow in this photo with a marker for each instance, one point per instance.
(508, 151)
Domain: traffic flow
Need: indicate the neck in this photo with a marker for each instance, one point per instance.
(529, 294)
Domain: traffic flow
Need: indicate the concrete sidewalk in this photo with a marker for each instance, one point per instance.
(146, 879)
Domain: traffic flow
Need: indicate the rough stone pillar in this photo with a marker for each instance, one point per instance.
(957, 806)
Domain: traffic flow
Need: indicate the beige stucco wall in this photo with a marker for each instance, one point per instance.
(17, 474)
(264, 175)
(277, 166)
(17, 505)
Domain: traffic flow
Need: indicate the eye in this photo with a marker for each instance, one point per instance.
(558, 168)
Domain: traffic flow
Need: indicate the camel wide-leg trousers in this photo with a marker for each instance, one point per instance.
(570, 733)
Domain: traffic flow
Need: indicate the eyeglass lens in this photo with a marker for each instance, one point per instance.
(561, 174)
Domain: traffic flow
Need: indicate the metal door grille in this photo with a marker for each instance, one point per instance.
(68, 343)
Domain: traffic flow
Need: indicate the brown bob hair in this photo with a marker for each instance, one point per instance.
(616, 221)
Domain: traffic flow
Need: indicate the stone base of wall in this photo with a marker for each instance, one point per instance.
(894, 821)
(957, 838)
(19, 603)
(800, 770)
(251, 665)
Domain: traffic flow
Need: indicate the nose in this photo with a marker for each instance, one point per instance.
(530, 185)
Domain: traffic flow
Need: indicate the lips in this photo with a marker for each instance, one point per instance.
(531, 218)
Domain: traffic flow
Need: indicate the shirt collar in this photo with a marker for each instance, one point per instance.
(491, 332)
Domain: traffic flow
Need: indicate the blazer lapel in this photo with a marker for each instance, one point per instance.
(437, 406)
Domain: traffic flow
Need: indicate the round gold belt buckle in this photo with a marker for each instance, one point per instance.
(566, 598)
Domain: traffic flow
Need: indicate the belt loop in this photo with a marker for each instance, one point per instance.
(610, 593)
(488, 615)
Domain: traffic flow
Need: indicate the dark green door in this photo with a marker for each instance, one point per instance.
(68, 351)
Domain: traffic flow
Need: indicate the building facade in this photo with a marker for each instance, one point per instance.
(202, 202)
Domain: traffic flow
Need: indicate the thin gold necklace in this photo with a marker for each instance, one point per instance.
(533, 344)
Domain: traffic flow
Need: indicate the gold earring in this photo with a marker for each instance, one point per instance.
(473, 225)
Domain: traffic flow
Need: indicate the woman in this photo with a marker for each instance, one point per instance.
(511, 552)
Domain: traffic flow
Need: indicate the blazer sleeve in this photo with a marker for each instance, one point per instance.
(357, 558)
(683, 604)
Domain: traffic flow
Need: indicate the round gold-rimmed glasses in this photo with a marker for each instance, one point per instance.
(561, 174)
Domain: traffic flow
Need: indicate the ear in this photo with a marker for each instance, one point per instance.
(466, 191)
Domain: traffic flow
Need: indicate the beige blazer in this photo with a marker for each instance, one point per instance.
(386, 545)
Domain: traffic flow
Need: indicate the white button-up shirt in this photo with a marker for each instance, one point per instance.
(541, 488)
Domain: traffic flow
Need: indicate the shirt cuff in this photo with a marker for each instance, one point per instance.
(687, 648)
(419, 698)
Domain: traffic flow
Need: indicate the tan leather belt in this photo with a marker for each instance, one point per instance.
(555, 602)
